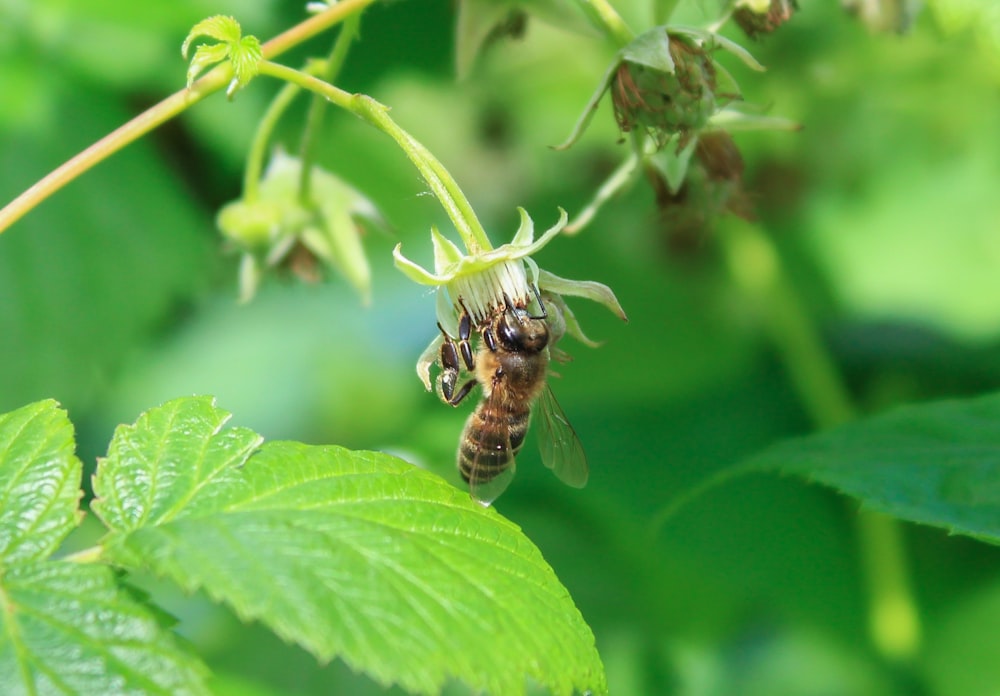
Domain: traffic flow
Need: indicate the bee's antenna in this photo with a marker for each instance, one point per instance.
(541, 305)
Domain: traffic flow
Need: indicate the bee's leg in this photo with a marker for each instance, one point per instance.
(464, 334)
(541, 305)
(450, 368)
(455, 352)
(489, 339)
(456, 399)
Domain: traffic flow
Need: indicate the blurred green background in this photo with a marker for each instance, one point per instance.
(116, 295)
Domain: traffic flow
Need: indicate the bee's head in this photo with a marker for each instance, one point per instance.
(517, 330)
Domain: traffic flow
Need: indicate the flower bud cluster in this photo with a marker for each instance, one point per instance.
(665, 102)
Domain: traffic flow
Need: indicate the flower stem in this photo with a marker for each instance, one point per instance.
(262, 137)
(89, 555)
(606, 18)
(441, 183)
(894, 622)
(314, 119)
(213, 81)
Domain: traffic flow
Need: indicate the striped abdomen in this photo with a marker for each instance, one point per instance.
(493, 434)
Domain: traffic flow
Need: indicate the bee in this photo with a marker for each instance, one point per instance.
(511, 365)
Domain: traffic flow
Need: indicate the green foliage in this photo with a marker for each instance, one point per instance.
(68, 628)
(39, 482)
(243, 52)
(350, 554)
(878, 215)
(934, 463)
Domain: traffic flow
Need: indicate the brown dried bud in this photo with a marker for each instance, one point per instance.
(713, 187)
(755, 17)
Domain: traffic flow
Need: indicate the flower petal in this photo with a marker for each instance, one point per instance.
(562, 321)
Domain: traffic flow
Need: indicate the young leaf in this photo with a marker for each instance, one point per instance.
(39, 482)
(67, 628)
(351, 554)
(936, 463)
(243, 52)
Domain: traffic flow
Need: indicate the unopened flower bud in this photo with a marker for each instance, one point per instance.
(666, 102)
(756, 17)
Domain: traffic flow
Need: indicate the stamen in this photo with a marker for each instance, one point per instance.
(482, 293)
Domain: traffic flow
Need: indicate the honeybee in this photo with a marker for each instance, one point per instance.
(511, 366)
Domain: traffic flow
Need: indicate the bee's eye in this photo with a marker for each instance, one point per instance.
(509, 332)
(519, 331)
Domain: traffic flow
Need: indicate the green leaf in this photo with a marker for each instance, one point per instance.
(936, 463)
(246, 57)
(243, 52)
(220, 27)
(68, 628)
(204, 57)
(39, 482)
(158, 467)
(961, 652)
(351, 554)
(123, 286)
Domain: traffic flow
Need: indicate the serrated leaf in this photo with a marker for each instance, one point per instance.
(243, 52)
(156, 467)
(220, 27)
(39, 482)
(351, 554)
(246, 55)
(67, 628)
(936, 463)
(204, 57)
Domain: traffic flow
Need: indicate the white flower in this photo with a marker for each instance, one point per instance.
(482, 281)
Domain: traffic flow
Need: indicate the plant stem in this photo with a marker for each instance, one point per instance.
(442, 185)
(314, 119)
(894, 623)
(606, 18)
(213, 81)
(664, 9)
(262, 137)
(89, 555)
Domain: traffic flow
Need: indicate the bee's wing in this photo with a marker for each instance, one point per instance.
(561, 448)
(493, 465)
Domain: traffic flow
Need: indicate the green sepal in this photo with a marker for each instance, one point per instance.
(588, 289)
(267, 226)
(446, 252)
(590, 109)
(673, 165)
(652, 49)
